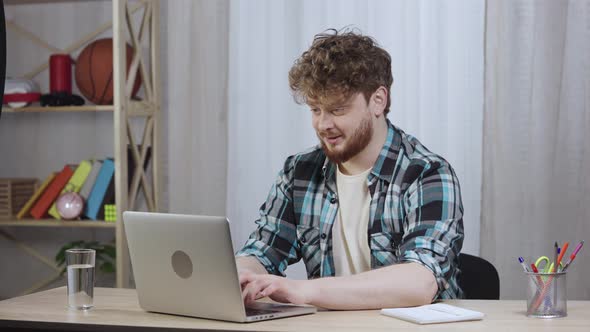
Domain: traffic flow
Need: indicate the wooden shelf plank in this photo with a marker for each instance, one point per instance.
(56, 223)
(43, 109)
(28, 2)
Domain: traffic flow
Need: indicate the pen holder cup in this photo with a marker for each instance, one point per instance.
(546, 295)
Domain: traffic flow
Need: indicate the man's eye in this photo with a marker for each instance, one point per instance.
(338, 111)
(315, 110)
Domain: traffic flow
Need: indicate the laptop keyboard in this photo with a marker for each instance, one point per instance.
(257, 312)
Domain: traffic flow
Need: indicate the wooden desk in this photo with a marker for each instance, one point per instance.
(118, 310)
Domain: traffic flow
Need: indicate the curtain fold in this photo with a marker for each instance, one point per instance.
(194, 65)
(536, 135)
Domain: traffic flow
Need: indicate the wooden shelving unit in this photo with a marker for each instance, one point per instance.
(44, 109)
(57, 223)
(136, 108)
(123, 110)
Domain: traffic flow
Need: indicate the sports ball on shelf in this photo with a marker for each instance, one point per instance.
(69, 205)
(94, 71)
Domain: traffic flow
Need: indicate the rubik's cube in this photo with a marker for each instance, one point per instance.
(110, 212)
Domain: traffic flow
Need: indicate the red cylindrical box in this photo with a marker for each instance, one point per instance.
(60, 73)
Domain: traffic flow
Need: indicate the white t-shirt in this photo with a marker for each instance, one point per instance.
(349, 232)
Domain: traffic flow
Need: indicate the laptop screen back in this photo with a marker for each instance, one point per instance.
(184, 265)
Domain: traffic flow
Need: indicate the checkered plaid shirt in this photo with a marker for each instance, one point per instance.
(415, 213)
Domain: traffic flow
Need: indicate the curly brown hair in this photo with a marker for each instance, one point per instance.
(339, 65)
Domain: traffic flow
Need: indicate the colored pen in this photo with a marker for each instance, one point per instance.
(523, 264)
(535, 270)
(555, 256)
(563, 250)
(539, 280)
(573, 256)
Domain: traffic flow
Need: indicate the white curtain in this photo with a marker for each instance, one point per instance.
(437, 60)
(194, 83)
(537, 134)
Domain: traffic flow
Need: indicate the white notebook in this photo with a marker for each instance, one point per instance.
(433, 313)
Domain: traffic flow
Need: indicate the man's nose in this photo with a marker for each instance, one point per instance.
(325, 121)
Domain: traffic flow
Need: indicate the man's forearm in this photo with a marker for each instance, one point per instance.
(250, 264)
(400, 285)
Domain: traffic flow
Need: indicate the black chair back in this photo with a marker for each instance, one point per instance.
(478, 278)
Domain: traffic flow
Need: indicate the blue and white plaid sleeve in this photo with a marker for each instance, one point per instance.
(274, 242)
(433, 231)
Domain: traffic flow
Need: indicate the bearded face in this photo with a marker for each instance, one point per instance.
(340, 146)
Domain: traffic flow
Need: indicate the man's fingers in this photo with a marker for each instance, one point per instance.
(257, 286)
(247, 286)
(244, 280)
(248, 295)
(245, 276)
(269, 290)
(251, 290)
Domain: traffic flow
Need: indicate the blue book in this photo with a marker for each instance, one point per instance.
(99, 190)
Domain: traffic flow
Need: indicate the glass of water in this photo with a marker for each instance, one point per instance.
(80, 266)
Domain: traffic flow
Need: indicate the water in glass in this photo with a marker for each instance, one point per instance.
(80, 286)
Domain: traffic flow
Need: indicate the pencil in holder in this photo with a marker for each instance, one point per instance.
(546, 295)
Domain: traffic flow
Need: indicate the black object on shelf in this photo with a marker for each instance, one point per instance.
(61, 99)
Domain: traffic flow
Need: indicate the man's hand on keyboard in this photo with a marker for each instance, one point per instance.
(280, 289)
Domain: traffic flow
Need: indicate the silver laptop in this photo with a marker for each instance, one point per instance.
(185, 265)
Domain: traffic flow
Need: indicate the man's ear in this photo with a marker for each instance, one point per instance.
(378, 101)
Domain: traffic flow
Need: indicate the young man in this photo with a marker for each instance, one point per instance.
(375, 216)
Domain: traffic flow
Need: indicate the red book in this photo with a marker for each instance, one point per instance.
(50, 195)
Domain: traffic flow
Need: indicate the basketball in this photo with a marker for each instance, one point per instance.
(94, 71)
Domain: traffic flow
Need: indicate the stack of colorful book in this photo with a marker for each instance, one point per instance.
(93, 180)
